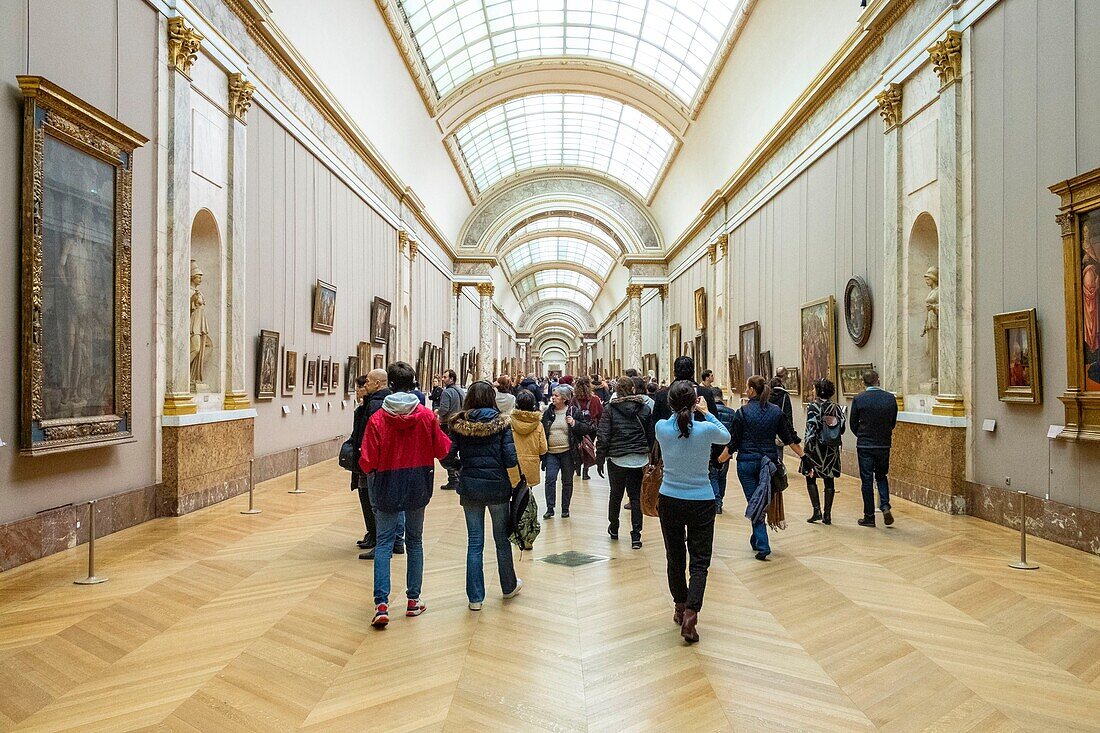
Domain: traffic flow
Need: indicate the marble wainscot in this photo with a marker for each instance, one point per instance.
(205, 459)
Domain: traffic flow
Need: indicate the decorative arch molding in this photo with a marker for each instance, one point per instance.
(555, 265)
(496, 213)
(558, 329)
(562, 75)
(563, 309)
(588, 218)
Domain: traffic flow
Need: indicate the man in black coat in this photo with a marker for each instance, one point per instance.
(531, 386)
(682, 368)
(780, 397)
(872, 418)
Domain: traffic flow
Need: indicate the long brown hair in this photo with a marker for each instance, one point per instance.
(582, 391)
(681, 400)
(763, 391)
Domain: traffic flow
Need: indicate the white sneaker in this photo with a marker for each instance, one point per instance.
(519, 587)
(475, 606)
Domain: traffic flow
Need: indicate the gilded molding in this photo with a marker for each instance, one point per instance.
(456, 289)
(402, 240)
(712, 252)
(236, 401)
(1066, 222)
(413, 247)
(723, 244)
(634, 290)
(946, 58)
(179, 404)
(663, 291)
(240, 95)
(889, 106)
(486, 289)
(183, 46)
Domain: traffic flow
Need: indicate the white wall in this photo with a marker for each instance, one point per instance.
(348, 45)
(783, 46)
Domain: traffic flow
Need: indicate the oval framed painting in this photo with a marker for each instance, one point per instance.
(858, 311)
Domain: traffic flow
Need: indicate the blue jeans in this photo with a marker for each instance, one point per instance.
(388, 523)
(718, 476)
(874, 465)
(559, 463)
(400, 536)
(475, 531)
(748, 473)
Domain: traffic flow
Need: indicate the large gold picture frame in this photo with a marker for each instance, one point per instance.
(1079, 219)
(76, 220)
(1019, 361)
(818, 329)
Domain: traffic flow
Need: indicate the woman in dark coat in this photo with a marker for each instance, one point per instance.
(483, 451)
(624, 439)
(821, 461)
(358, 478)
(565, 426)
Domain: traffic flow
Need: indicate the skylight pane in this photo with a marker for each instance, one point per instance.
(547, 250)
(613, 30)
(580, 130)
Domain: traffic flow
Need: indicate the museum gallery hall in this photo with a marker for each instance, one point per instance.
(565, 365)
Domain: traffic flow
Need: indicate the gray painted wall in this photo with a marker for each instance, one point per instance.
(120, 80)
(1036, 122)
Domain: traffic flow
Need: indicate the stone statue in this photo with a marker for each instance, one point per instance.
(200, 332)
(932, 319)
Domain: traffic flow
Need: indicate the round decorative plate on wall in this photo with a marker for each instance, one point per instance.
(858, 311)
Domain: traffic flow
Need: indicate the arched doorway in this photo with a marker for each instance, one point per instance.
(922, 260)
(207, 304)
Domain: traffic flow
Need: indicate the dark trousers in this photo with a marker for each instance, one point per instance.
(368, 510)
(559, 464)
(874, 465)
(815, 497)
(690, 522)
(630, 481)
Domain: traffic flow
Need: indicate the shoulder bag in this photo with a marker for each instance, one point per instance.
(652, 478)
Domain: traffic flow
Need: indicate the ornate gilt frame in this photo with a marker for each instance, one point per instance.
(1002, 322)
(1080, 195)
(50, 110)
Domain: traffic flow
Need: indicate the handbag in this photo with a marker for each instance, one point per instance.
(587, 451)
(652, 478)
(349, 456)
(780, 480)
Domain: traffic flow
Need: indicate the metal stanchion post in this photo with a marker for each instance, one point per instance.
(297, 465)
(92, 579)
(251, 484)
(1023, 564)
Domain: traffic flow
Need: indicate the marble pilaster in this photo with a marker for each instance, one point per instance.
(634, 327)
(486, 345)
(665, 357)
(720, 331)
(236, 396)
(893, 316)
(456, 300)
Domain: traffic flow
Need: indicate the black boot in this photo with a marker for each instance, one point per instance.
(815, 502)
(829, 494)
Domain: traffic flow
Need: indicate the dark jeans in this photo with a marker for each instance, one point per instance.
(630, 481)
(690, 522)
(475, 548)
(874, 465)
(368, 510)
(748, 473)
(718, 476)
(559, 463)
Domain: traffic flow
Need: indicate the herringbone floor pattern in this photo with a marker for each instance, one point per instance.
(222, 622)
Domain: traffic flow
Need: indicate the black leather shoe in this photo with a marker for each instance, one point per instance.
(887, 517)
(564, 513)
(761, 556)
(827, 519)
(815, 518)
(866, 522)
(548, 513)
(399, 549)
(368, 555)
(613, 535)
(366, 543)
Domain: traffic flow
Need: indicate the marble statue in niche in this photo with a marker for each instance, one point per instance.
(932, 320)
(201, 342)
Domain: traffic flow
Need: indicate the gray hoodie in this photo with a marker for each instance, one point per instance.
(400, 403)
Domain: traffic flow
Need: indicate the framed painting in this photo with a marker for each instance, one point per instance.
(1079, 220)
(792, 382)
(76, 214)
(818, 331)
(736, 378)
(380, 321)
(362, 357)
(350, 373)
(1019, 371)
(688, 349)
(748, 342)
(674, 342)
(267, 365)
(700, 353)
(324, 307)
(764, 365)
(378, 362)
(290, 372)
(324, 373)
(445, 353)
(700, 300)
(858, 310)
(334, 377)
(850, 378)
(310, 366)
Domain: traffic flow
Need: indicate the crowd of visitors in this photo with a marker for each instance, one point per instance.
(499, 440)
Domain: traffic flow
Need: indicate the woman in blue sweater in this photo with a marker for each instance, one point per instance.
(686, 505)
(755, 429)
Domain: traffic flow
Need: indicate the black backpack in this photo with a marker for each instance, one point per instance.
(832, 426)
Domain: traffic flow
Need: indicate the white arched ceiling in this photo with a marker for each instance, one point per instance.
(565, 310)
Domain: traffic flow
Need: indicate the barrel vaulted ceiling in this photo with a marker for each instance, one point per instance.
(560, 90)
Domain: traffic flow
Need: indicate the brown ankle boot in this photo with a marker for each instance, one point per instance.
(678, 615)
(687, 629)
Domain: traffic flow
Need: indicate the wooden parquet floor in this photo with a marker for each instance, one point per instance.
(222, 622)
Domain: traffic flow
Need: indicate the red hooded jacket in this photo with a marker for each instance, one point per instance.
(401, 451)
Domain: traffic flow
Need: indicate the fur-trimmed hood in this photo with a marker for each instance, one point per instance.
(479, 423)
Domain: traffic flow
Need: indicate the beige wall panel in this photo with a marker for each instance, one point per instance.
(1034, 124)
(122, 82)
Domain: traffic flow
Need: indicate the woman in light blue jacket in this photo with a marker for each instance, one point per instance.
(686, 506)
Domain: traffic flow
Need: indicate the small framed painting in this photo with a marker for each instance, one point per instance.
(793, 382)
(700, 308)
(1016, 338)
(674, 342)
(350, 373)
(851, 378)
(324, 372)
(749, 343)
(380, 321)
(362, 354)
(736, 378)
(324, 307)
(267, 365)
(290, 372)
(334, 377)
(310, 366)
(764, 365)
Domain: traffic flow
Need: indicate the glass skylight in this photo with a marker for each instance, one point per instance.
(581, 130)
(558, 293)
(558, 277)
(568, 224)
(559, 249)
(671, 41)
